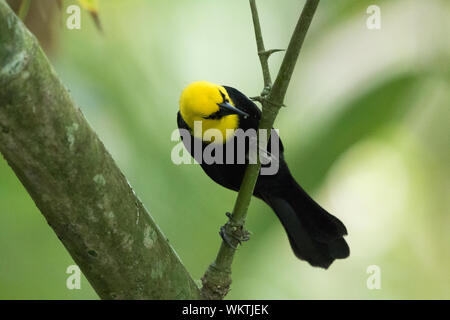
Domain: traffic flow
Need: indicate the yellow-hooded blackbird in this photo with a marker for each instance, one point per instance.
(314, 234)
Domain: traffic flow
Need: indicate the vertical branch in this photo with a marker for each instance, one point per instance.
(217, 279)
(263, 58)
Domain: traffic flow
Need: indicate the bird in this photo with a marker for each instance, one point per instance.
(315, 235)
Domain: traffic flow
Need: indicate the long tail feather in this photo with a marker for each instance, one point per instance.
(315, 235)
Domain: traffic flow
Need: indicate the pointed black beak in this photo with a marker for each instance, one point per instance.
(226, 108)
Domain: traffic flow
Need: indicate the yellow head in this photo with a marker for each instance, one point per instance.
(211, 105)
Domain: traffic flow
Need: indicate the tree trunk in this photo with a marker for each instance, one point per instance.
(74, 181)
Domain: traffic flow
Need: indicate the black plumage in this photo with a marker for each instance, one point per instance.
(314, 234)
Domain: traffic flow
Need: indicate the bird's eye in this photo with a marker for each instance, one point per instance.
(215, 116)
(223, 97)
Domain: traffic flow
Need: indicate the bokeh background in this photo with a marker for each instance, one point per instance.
(366, 132)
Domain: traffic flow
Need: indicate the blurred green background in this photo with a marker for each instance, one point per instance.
(366, 132)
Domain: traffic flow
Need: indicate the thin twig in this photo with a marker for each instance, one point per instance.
(217, 279)
(263, 58)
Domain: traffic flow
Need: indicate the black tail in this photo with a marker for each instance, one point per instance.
(315, 235)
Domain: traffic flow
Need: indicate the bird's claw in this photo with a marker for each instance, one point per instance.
(233, 234)
(266, 91)
(262, 98)
(225, 237)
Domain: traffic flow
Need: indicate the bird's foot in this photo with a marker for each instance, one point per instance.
(266, 91)
(233, 233)
(262, 97)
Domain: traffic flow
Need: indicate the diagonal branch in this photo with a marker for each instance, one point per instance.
(262, 52)
(263, 55)
(217, 279)
(74, 181)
